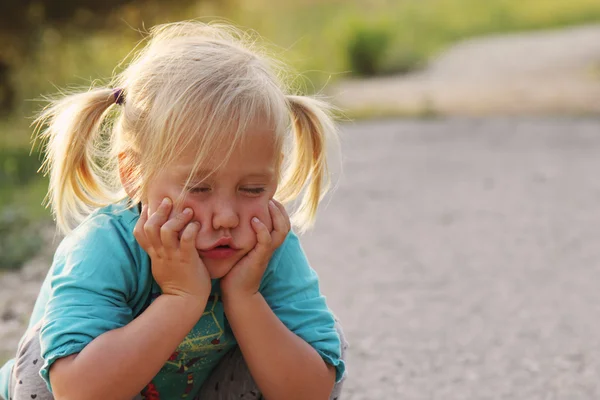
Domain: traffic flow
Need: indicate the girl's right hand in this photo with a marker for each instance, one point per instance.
(176, 265)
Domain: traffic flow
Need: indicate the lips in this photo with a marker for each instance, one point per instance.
(223, 242)
(221, 249)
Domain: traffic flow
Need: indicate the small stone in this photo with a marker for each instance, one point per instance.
(8, 315)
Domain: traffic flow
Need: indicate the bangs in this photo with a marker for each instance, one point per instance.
(196, 95)
(203, 119)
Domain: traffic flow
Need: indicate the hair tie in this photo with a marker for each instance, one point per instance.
(119, 96)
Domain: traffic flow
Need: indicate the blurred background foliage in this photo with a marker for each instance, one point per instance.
(52, 44)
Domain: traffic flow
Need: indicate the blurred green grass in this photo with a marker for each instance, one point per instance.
(323, 40)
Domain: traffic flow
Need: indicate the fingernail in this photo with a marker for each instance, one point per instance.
(271, 203)
(255, 219)
(166, 201)
(187, 211)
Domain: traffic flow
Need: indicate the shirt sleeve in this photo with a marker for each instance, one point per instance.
(291, 288)
(91, 280)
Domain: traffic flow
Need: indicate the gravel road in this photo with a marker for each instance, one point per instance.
(462, 256)
(532, 73)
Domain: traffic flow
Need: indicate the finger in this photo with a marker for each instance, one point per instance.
(285, 214)
(188, 238)
(263, 236)
(281, 222)
(155, 222)
(138, 230)
(260, 254)
(281, 208)
(169, 232)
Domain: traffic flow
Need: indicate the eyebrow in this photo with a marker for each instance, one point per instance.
(203, 173)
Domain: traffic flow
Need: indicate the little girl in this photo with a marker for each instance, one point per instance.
(179, 276)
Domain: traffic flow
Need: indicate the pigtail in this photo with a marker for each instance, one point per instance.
(307, 170)
(78, 174)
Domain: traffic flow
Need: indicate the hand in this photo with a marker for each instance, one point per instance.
(244, 278)
(176, 265)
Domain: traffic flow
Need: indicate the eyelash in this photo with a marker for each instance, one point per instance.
(257, 190)
(198, 190)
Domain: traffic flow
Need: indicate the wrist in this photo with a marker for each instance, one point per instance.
(193, 305)
(197, 293)
(236, 293)
(233, 300)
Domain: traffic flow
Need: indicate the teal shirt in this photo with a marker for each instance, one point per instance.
(101, 280)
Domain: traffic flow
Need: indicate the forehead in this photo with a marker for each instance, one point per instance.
(254, 153)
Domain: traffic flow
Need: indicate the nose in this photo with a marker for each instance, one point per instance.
(225, 214)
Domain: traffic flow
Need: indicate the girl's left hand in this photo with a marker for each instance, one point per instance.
(244, 278)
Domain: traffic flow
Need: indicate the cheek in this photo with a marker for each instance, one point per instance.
(155, 198)
(200, 210)
(259, 209)
(246, 211)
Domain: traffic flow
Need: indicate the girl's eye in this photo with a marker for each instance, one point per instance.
(253, 190)
(199, 189)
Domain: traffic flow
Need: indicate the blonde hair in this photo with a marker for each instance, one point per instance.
(189, 75)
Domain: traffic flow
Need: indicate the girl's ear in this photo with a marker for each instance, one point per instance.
(127, 174)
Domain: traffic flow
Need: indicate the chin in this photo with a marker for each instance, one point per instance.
(218, 269)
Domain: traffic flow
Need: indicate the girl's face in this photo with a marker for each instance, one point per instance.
(225, 201)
